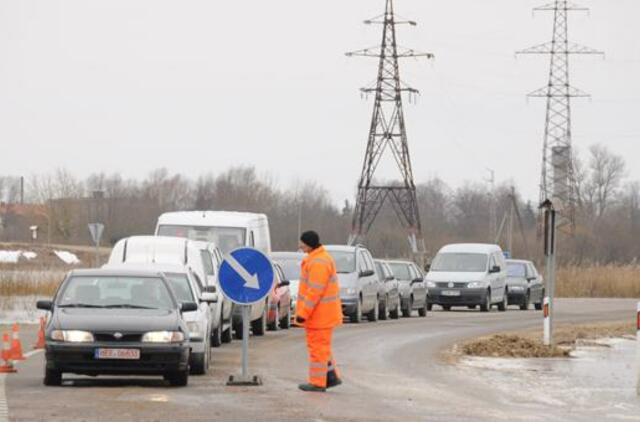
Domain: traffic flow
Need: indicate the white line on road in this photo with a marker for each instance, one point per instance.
(4, 409)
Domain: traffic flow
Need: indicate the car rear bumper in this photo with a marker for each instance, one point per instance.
(349, 304)
(154, 359)
(516, 296)
(467, 297)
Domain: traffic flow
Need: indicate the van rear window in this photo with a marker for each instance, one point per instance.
(225, 238)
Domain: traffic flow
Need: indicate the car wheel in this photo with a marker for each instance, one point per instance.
(429, 306)
(259, 326)
(471, 307)
(384, 308)
(446, 307)
(395, 313)
(285, 323)
(423, 311)
(356, 316)
(406, 312)
(524, 306)
(200, 361)
(538, 306)
(237, 330)
(216, 336)
(273, 326)
(52, 377)
(178, 379)
(502, 306)
(486, 306)
(374, 314)
(227, 335)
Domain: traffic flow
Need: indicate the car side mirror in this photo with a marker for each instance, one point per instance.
(210, 289)
(44, 305)
(188, 306)
(390, 278)
(530, 279)
(416, 280)
(427, 267)
(284, 283)
(366, 273)
(495, 269)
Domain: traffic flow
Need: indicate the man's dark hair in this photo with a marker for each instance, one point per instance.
(311, 239)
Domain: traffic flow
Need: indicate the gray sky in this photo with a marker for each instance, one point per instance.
(131, 85)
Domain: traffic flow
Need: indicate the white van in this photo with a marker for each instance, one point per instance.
(468, 274)
(228, 230)
(203, 258)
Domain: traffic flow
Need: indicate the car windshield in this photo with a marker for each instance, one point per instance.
(181, 286)
(516, 269)
(116, 292)
(400, 270)
(226, 238)
(291, 268)
(459, 262)
(345, 261)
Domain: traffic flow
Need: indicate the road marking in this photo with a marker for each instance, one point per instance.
(251, 280)
(31, 353)
(4, 409)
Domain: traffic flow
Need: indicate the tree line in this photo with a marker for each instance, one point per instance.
(606, 231)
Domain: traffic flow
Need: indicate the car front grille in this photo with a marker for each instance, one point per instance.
(445, 285)
(109, 337)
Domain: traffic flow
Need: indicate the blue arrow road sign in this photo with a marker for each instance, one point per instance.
(246, 276)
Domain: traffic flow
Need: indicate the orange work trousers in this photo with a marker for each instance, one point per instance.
(320, 356)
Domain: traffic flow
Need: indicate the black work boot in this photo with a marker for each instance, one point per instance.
(332, 379)
(312, 388)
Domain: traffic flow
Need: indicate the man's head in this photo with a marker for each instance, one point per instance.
(309, 241)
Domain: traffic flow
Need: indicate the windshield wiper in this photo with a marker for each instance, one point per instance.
(79, 305)
(128, 306)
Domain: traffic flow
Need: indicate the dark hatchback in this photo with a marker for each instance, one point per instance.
(116, 322)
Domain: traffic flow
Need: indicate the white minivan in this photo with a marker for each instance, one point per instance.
(228, 230)
(468, 274)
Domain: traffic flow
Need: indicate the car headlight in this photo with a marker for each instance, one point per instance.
(72, 336)
(477, 284)
(195, 329)
(349, 291)
(431, 284)
(163, 337)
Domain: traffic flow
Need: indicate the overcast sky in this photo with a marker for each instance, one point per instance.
(199, 85)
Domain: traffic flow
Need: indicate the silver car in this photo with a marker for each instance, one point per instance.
(413, 289)
(290, 263)
(524, 284)
(390, 304)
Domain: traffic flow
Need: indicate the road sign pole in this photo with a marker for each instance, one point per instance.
(638, 348)
(550, 269)
(245, 341)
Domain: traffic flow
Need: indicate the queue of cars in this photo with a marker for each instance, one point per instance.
(155, 308)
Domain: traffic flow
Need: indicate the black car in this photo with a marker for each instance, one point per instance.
(116, 322)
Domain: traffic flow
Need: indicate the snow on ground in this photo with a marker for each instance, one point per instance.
(67, 257)
(12, 257)
(598, 379)
(20, 309)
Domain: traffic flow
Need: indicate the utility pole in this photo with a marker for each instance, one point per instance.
(492, 203)
(507, 220)
(558, 183)
(388, 132)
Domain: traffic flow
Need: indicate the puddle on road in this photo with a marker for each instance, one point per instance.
(599, 379)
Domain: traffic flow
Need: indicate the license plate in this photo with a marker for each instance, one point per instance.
(451, 293)
(125, 354)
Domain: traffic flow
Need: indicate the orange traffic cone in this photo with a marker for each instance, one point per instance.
(16, 345)
(40, 343)
(7, 366)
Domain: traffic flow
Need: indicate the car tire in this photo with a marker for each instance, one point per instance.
(259, 326)
(406, 312)
(237, 330)
(538, 306)
(423, 311)
(486, 306)
(446, 308)
(227, 335)
(395, 313)
(356, 316)
(216, 336)
(502, 306)
(471, 307)
(384, 309)
(178, 379)
(199, 362)
(374, 313)
(285, 323)
(524, 306)
(52, 378)
(429, 306)
(273, 326)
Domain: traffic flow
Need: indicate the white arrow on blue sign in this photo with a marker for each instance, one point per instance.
(246, 276)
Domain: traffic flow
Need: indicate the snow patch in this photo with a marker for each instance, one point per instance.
(12, 257)
(67, 257)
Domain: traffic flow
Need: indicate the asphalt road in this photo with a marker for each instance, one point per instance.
(392, 370)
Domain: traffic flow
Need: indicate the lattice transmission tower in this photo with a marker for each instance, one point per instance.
(388, 133)
(558, 182)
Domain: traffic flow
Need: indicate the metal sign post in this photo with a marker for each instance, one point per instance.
(638, 347)
(550, 268)
(246, 277)
(96, 230)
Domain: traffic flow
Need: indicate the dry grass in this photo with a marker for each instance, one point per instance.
(32, 282)
(529, 344)
(599, 281)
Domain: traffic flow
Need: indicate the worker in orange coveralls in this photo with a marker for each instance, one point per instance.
(319, 311)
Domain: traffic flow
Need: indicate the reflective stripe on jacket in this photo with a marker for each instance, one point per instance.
(319, 292)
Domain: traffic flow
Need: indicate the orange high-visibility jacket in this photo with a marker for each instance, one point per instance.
(319, 292)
